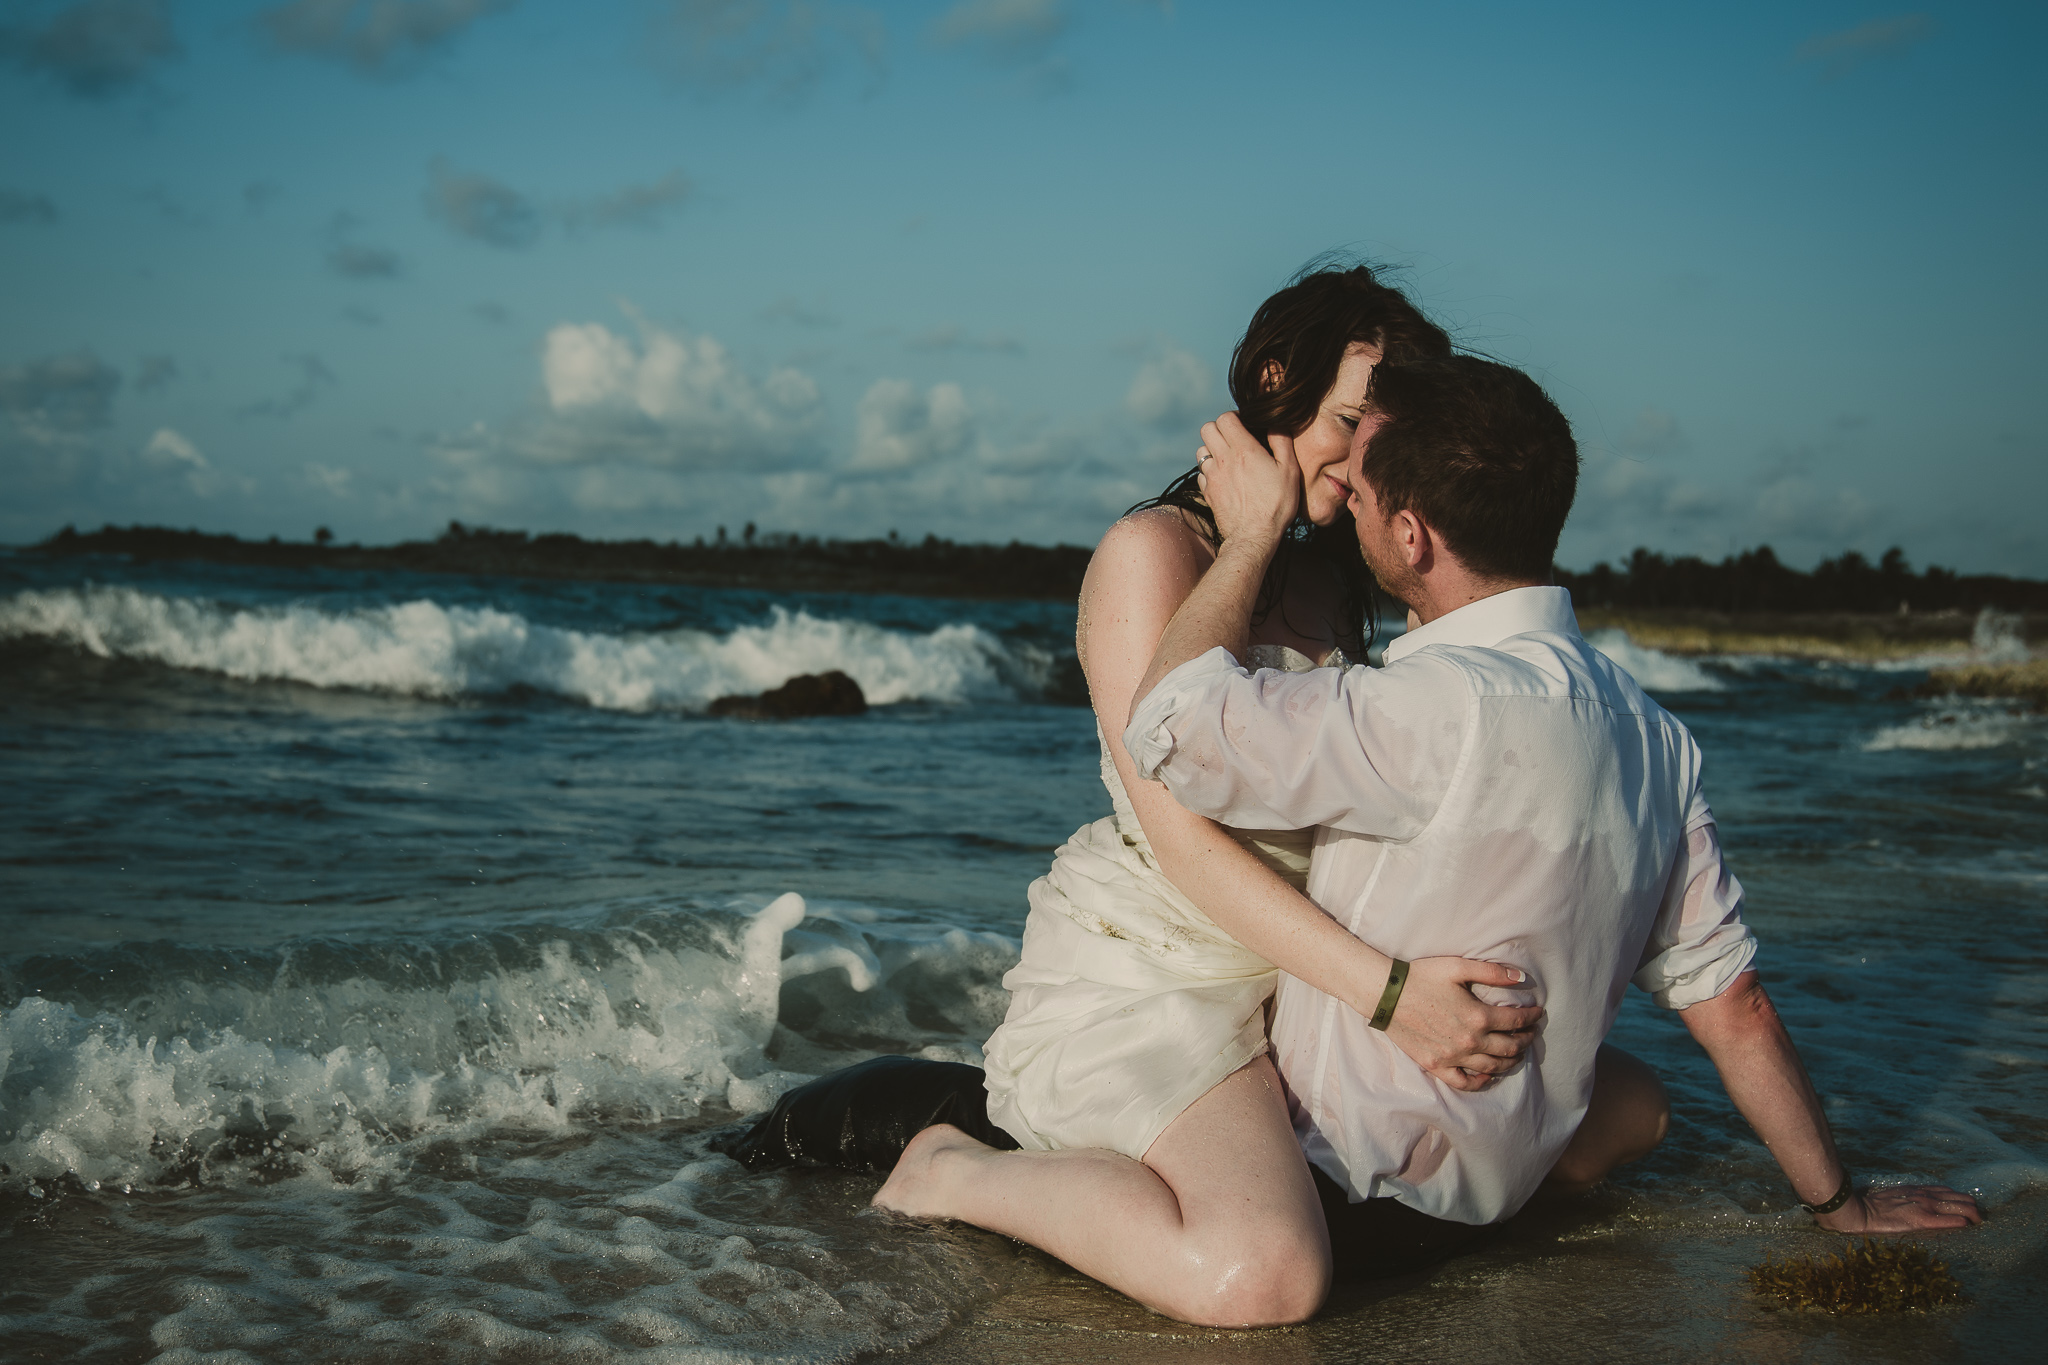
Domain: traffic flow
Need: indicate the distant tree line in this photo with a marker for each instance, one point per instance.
(776, 561)
(1755, 580)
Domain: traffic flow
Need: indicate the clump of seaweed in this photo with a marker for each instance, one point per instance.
(1876, 1277)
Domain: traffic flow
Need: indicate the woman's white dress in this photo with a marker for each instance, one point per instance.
(1129, 1003)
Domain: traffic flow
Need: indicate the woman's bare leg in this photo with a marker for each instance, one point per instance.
(1218, 1225)
(1627, 1118)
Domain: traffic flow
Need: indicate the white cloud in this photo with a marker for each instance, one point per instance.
(586, 364)
(647, 429)
(674, 400)
(168, 450)
(667, 399)
(170, 454)
(1172, 389)
(898, 428)
(329, 479)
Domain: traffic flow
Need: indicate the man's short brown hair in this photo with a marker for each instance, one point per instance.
(1481, 454)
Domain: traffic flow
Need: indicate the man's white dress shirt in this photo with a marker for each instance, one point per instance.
(1499, 790)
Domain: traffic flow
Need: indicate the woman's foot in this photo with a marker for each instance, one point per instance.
(916, 1187)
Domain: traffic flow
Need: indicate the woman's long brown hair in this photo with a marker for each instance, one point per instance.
(1304, 331)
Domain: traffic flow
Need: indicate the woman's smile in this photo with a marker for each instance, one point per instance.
(1323, 447)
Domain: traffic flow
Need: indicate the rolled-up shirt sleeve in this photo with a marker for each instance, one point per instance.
(1370, 751)
(1699, 943)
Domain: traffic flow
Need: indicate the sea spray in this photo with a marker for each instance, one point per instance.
(1959, 723)
(1998, 637)
(427, 649)
(1654, 671)
(188, 1066)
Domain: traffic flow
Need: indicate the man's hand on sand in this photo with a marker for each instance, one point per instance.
(1252, 492)
(1891, 1209)
(1451, 1033)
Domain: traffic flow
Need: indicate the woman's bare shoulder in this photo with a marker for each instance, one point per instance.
(1143, 569)
(1154, 544)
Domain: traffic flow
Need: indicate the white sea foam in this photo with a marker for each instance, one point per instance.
(1653, 670)
(425, 649)
(1998, 637)
(540, 1216)
(349, 1075)
(1960, 725)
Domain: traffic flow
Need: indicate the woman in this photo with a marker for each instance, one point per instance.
(1159, 1156)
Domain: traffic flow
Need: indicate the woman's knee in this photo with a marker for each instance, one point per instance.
(1269, 1281)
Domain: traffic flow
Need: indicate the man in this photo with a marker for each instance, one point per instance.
(1500, 767)
(1499, 790)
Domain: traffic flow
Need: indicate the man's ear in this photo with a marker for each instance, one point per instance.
(1412, 534)
(1270, 377)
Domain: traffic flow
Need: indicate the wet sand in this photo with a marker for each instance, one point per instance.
(1600, 1278)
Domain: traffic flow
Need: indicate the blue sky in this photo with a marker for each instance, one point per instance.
(646, 267)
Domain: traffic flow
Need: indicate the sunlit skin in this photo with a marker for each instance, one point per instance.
(1323, 447)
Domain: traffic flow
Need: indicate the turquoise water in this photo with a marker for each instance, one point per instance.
(379, 953)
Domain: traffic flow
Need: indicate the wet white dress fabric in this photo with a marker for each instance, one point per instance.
(1129, 1003)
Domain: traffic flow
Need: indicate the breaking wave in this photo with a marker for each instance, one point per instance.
(170, 1066)
(452, 1150)
(425, 649)
(1986, 725)
(1653, 670)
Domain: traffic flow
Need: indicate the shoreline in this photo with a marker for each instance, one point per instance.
(1850, 637)
(2027, 682)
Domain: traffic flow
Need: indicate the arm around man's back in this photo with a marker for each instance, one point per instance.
(1740, 1030)
(1369, 751)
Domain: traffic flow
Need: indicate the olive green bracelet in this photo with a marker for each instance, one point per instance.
(1391, 996)
(1841, 1196)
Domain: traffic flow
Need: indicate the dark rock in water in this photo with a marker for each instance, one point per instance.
(807, 694)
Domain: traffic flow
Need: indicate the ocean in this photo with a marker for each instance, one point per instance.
(380, 955)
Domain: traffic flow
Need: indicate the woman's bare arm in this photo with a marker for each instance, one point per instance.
(1140, 574)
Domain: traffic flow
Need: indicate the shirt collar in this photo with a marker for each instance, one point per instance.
(1482, 624)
